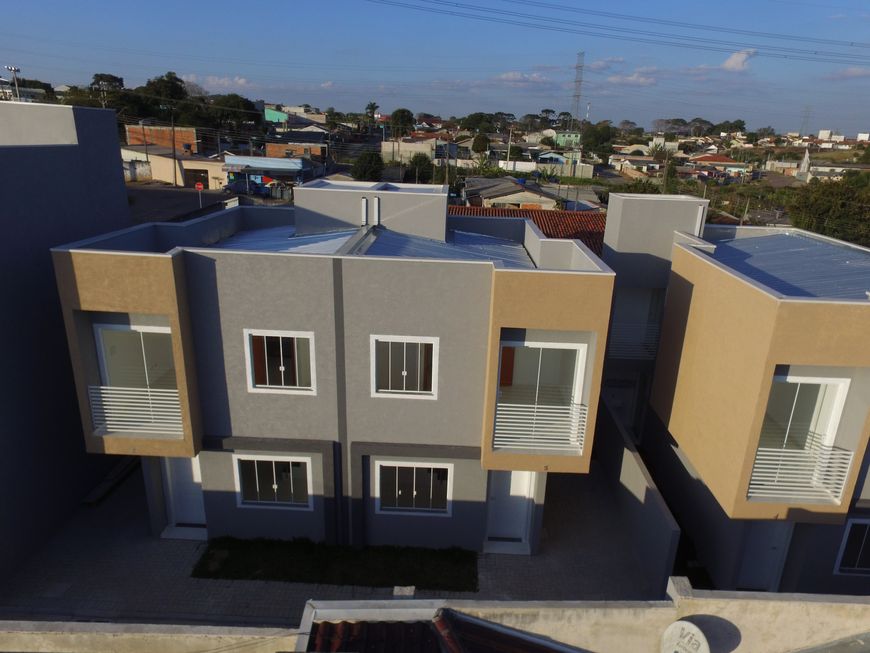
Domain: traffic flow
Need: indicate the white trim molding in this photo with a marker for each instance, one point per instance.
(411, 512)
(410, 394)
(858, 571)
(284, 390)
(273, 505)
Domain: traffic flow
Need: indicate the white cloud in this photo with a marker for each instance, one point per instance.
(605, 64)
(738, 61)
(326, 84)
(517, 78)
(189, 78)
(637, 78)
(214, 81)
(853, 72)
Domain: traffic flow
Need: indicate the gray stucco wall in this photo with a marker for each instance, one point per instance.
(224, 516)
(418, 214)
(77, 149)
(449, 301)
(466, 525)
(718, 540)
(639, 235)
(811, 559)
(230, 292)
(644, 513)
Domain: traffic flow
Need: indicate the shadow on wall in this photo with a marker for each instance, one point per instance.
(646, 515)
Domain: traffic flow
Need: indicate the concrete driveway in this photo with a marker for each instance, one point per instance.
(103, 565)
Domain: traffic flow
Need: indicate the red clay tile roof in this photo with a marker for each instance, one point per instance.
(586, 226)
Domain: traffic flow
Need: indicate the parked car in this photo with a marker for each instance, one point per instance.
(244, 187)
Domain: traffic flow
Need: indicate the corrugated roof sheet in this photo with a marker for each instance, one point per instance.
(461, 246)
(586, 226)
(797, 265)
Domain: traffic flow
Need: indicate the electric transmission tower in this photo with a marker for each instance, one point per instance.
(578, 86)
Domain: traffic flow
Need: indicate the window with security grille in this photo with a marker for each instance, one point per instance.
(280, 361)
(413, 487)
(404, 366)
(273, 481)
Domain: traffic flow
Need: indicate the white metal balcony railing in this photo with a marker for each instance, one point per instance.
(635, 340)
(532, 427)
(135, 410)
(814, 474)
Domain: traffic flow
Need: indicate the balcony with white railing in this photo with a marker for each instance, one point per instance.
(633, 340)
(142, 411)
(553, 424)
(811, 473)
(540, 428)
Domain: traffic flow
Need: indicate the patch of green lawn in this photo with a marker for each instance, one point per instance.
(303, 561)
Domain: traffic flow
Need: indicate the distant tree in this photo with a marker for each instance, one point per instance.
(479, 122)
(837, 208)
(419, 169)
(194, 90)
(700, 127)
(371, 109)
(232, 111)
(401, 122)
(642, 186)
(865, 157)
(547, 114)
(671, 182)
(24, 82)
(530, 122)
(765, 132)
(627, 126)
(369, 166)
(107, 82)
(658, 152)
(480, 144)
(168, 86)
(549, 141)
(565, 119)
(515, 152)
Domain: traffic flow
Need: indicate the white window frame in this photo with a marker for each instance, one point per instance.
(267, 505)
(249, 371)
(839, 402)
(837, 572)
(98, 340)
(404, 394)
(581, 348)
(414, 512)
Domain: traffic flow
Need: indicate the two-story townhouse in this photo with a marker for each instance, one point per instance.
(364, 368)
(761, 407)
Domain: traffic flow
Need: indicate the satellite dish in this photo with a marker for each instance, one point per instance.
(684, 637)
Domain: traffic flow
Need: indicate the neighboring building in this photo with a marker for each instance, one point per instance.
(721, 162)
(863, 137)
(67, 185)
(508, 193)
(363, 369)
(569, 139)
(265, 169)
(188, 140)
(761, 407)
(310, 144)
(22, 93)
(404, 149)
(825, 134)
(152, 162)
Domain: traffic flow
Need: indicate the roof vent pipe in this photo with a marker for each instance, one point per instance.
(364, 212)
(377, 210)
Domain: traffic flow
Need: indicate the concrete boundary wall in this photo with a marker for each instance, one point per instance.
(74, 637)
(647, 519)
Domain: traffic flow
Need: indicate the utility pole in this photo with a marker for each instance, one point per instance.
(15, 70)
(510, 138)
(144, 140)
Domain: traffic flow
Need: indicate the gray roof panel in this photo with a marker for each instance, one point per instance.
(799, 265)
(460, 246)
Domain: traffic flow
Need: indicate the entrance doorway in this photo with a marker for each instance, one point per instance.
(185, 509)
(510, 498)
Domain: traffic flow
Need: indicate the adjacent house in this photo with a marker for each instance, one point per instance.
(158, 163)
(295, 374)
(508, 192)
(44, 472)
(761, 407)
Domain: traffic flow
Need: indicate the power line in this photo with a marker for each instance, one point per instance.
(628, 34)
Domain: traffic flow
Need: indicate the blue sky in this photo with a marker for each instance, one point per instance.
(344, 53)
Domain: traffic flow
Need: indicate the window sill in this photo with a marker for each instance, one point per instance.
(405, 395)
(414, 513)
(275, 506)
(311, 392)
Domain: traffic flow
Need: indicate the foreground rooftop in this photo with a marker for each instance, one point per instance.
(793, 263)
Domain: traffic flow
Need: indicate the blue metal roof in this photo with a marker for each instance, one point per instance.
(283, 239)
(460, 246)
(263, 163)
(799, 265)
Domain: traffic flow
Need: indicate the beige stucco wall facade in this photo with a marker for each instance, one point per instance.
(550, 301)
(151, 284)
(722, 338)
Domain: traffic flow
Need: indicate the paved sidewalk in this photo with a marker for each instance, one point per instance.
(104, 566)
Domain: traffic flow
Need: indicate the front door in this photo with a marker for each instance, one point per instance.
(509, 511)
(183, 486)
(765, 549)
